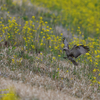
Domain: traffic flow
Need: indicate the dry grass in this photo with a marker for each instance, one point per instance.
(39, 74)
(26, 91)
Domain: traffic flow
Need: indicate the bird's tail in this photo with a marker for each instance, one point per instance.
(86, 48)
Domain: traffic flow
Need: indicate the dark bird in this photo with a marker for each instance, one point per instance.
(74, 52)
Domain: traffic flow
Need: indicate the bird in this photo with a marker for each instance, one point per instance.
(74, 52)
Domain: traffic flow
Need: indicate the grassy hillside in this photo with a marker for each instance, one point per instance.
(31, 42)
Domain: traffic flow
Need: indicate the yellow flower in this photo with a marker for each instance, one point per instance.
(94, 81)
(98, 82)
(71, 78)
(43, 36)
(41, 32)
(47, 26)
(56, 48)
(99, 74)
(41, 18)
(53, 58)
(67, 71)
(46, 22)
(51, 31)
(94, 70)
(47, 30)
(57, 68)
(94, 78)
(49, 38)
(87, 54)
(61, 34)
(78, 27)
(50, 28)
(33, 47)
(80, 32)
(95, 51)
(62, 78)
(51, 49)
(90, 84)
(41, 53)
(49, 46)
(41, 44)
(59, 55)
(33, 17)
(62, 45)
(13, 61)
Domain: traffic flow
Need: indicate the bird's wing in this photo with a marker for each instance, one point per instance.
(78, 50)
(73, 61)
(83, 49)
(65, 43)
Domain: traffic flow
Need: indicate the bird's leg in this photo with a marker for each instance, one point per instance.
(73, 61)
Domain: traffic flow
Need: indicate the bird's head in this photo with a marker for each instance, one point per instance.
(65, 49)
